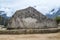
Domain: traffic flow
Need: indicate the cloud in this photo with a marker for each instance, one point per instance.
(43, 6)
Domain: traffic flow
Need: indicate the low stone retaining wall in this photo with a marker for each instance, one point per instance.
(30, 31)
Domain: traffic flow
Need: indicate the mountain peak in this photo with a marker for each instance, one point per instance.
(55, 12)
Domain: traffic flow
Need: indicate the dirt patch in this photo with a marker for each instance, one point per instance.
(52, 36)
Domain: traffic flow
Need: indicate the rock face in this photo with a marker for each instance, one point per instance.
(30, 18)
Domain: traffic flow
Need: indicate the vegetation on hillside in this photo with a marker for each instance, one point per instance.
(3, 21)
(57, 19)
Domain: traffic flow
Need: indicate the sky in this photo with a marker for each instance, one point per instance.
(43, 6)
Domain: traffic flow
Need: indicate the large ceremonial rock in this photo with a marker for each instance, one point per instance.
(30, 18)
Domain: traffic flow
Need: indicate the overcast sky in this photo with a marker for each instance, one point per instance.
(43, 6)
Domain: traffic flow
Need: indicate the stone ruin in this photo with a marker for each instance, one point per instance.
(30, 18)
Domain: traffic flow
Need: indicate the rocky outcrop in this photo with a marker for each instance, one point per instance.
(30, 18)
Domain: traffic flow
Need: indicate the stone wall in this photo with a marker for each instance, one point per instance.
(30, 18)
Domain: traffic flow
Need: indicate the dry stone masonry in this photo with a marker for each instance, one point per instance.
(30, 18)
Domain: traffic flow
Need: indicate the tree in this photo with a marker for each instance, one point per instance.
(3, 21)
(57, 19)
